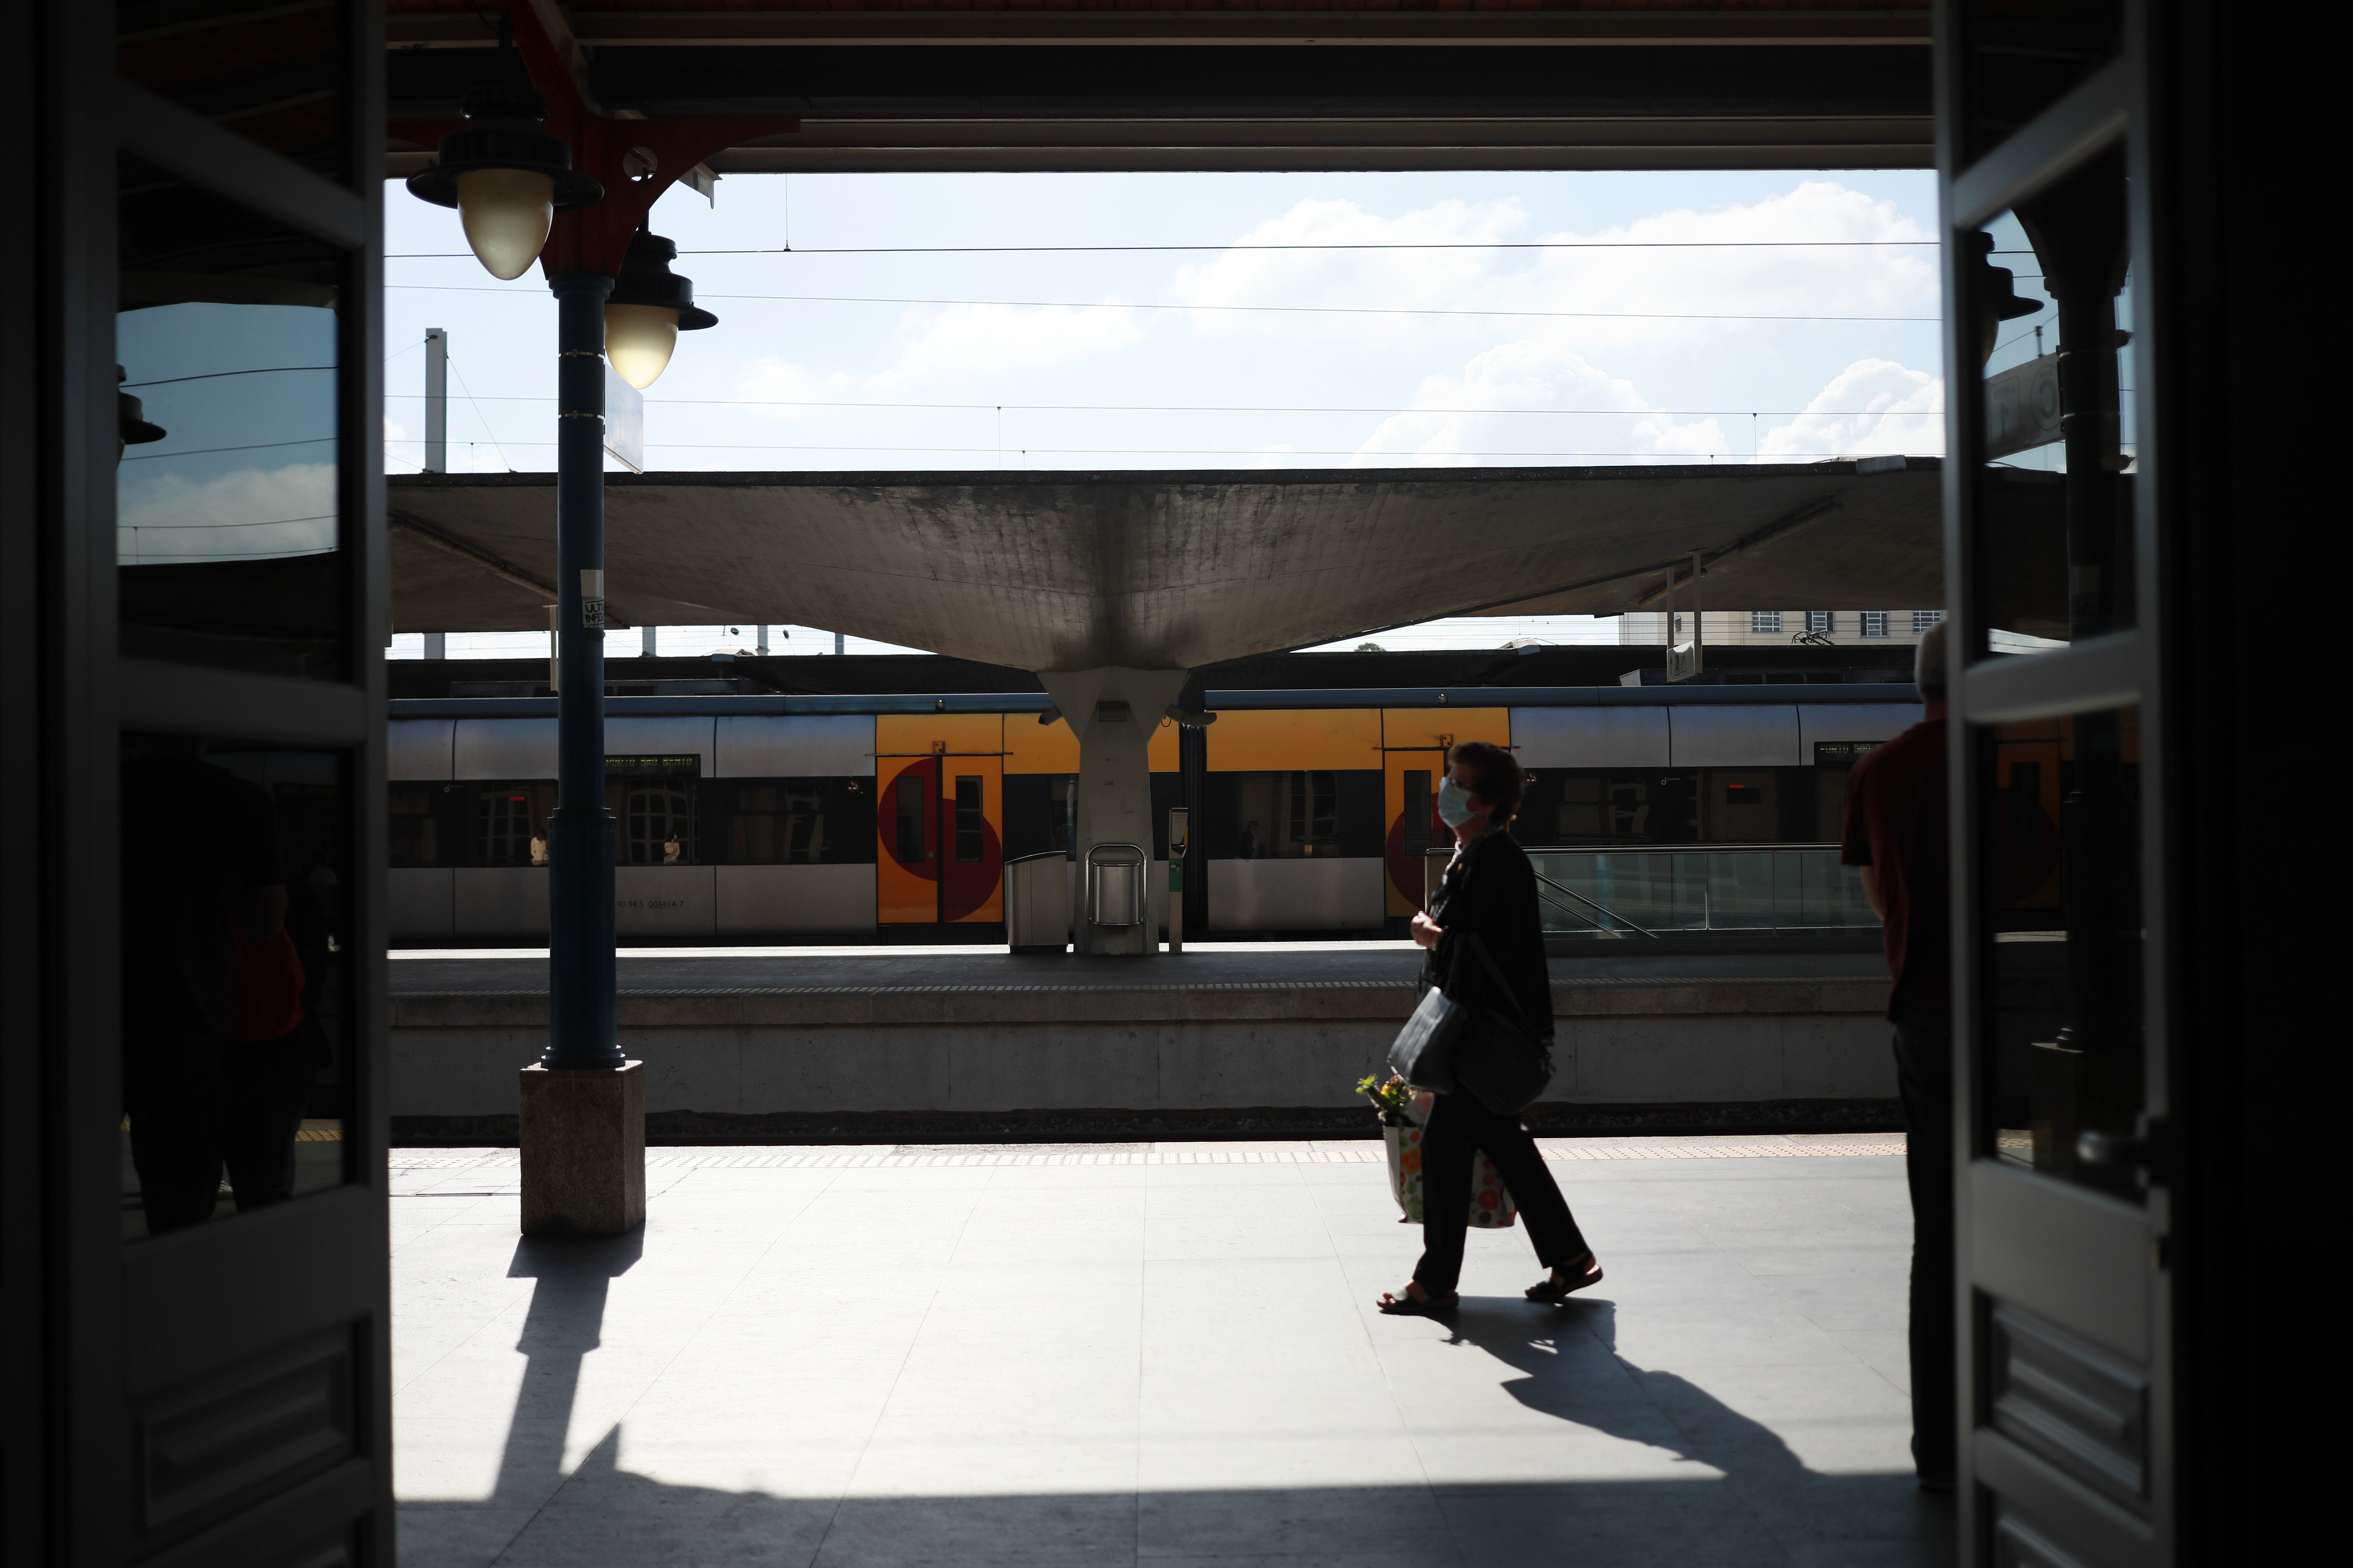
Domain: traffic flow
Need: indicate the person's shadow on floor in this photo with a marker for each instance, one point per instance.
(1570, 1369)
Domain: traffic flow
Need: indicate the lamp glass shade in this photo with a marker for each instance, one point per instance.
(507, 212)
(639, 340)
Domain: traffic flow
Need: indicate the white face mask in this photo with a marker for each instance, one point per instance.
(1454, 807)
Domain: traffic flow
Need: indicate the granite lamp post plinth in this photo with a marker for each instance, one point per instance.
(582, 1131)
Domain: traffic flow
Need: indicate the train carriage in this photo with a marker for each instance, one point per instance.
(745, 818)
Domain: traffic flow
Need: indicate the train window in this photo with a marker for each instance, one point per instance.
(1312, 823)
(652, 800)
(237, 1027)
(414, 835)
(908, 798)
(970, 839)
(511, 824)
(775, 824)
(1581, 812)
(1743, 808)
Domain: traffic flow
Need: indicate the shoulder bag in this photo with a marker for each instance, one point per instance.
(1492, 1057)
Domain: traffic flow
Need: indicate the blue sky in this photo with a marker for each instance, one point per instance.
(1203, 360)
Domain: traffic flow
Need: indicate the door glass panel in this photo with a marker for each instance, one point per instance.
(228, 506)
(2059, 865)
(238, 1037)
(273, 74)
(2052, 309)
(2024, 56)
(971, 827)
(909, 796)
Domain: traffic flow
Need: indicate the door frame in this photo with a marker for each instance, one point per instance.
(107, 1341)
(2093, 1265)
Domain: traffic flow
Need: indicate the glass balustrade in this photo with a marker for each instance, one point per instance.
(1770, 888)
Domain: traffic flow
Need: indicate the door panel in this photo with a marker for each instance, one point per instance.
(972, 838)
(2060, 1061)
(1410, 822)
(907, 841)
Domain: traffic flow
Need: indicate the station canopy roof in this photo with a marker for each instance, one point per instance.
(1148, 570)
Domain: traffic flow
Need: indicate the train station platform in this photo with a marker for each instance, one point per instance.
(874, 1045)
(1156, 1355)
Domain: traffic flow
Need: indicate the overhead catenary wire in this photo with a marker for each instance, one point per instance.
(1233, 407)
(1279, 310)
(789, 250)
(1192, 451)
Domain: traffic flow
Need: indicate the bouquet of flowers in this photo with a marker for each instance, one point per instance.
(1402, 1110)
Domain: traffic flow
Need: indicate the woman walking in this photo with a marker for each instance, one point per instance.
(1489, 893)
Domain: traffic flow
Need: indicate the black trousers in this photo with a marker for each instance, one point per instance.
(1924, 1077)
(1458, 1129)
(244, 1122)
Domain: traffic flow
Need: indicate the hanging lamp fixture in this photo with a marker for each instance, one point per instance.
(650, 306)
(1998, 296)
(507, 176)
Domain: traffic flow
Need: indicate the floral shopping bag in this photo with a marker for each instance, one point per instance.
(1491, 1202)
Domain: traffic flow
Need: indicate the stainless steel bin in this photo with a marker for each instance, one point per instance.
(1116, 895)
(1038, 902)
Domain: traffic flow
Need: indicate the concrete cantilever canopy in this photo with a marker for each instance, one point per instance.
(1169, 571)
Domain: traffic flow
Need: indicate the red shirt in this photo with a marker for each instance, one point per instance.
(1895, 823)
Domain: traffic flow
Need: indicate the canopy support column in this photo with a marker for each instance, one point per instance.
(1114, 712)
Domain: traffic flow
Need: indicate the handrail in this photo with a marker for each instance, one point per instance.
(1581, 899)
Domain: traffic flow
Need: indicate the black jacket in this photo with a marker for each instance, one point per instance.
(1490, 889)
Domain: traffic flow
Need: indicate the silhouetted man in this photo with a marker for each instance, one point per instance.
(1896, 831)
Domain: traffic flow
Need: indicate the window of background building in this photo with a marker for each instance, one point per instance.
(1875, 622)
(1923, 620)
(1764, 621)
(1821, 620)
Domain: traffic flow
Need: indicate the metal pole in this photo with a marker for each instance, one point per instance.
(436, 400)
(1699, 641)
(582, 1030)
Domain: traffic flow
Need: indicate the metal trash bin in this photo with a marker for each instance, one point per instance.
(1116, 894)
(1038, 902)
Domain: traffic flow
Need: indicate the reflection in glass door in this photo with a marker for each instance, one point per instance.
(2060, 1073)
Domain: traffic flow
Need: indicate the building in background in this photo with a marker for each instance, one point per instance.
(1722, 628)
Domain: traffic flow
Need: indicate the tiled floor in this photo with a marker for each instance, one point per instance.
(1161, 1356)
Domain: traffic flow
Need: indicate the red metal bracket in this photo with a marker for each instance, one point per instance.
(596, 236)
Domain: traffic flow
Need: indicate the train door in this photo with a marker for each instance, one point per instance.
(1409, 783)
(940, 820)
(1414, 742)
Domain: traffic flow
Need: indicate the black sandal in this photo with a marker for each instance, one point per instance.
(1556, 1291)
(1405, 1306)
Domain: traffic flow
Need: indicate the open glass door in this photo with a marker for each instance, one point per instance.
(2060, 1053)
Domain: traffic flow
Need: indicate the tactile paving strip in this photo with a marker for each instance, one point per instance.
(1328, 1152)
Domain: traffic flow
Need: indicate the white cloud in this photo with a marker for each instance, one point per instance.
(1873, 408)
(250, 514)
(1684, 271)
(1455, 419)
(939, 343)
(1257, 274)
